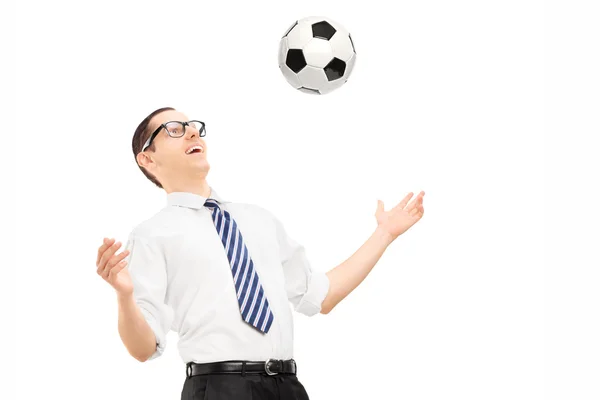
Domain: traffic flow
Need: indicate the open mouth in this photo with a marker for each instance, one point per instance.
(195, 150)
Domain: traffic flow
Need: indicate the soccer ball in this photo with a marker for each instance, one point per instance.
(316, 55)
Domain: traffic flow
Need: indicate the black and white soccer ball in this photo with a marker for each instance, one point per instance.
(316, 55)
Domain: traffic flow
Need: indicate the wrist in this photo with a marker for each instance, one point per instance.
(124, 297)
(383, 235)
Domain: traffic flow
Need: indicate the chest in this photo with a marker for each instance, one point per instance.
(197, 257)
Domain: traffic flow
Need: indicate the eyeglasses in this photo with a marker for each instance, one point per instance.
(176, 129)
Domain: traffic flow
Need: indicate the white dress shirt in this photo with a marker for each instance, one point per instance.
(182, 280)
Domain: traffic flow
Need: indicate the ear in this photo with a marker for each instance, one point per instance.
(143, 160)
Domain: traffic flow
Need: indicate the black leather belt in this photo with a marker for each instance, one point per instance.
(269, 367)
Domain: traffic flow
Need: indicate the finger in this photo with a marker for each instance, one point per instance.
(410, 208)
(404, 201)
(114, 260)
(416, 202)
(115, 271)
(417, 211)
(105, 243)
(108, 253)
(419, 199)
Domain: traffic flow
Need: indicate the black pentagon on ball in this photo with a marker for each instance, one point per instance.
(295, 60)
(335, 69)
(323, 30)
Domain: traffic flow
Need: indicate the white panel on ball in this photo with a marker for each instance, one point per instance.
(309, 91)
(349, 66)
(299, 36)
(313, 78)
(317, 52)
(283, 48)
(341, 46)
(332, 85)
(290, 76)
(329, 88)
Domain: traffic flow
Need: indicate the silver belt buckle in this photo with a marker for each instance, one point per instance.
(267, 370)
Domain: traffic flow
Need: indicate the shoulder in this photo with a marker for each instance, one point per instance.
(157, 225)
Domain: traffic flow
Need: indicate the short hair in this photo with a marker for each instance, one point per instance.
(142, 133)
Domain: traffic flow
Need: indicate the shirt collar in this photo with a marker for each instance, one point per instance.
(192, 200)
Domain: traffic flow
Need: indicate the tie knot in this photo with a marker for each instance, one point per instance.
(211, 203)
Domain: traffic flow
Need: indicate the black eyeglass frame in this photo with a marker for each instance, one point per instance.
(201, 131)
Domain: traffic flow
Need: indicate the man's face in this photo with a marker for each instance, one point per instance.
(171, 158)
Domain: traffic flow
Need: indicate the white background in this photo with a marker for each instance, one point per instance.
(490, 107)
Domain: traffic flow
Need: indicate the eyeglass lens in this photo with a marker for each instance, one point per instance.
(176, 129)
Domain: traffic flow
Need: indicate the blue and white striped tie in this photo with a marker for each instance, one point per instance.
(251, 297)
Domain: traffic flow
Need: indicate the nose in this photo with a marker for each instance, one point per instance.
(190, 132)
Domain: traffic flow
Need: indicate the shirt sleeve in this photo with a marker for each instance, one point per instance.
(147, 268)
(306, 287)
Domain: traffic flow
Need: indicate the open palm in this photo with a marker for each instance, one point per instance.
(400, 218)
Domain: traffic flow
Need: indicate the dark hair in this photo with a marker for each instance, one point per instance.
(142, 133)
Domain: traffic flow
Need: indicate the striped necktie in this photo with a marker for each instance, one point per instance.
(253, 303)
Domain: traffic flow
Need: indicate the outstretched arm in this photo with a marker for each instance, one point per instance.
(344, 278)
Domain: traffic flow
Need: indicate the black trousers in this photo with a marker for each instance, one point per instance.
(248, 387)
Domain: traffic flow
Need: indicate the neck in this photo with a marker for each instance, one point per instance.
(199, 187)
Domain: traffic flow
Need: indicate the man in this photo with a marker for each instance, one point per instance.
(223, 274)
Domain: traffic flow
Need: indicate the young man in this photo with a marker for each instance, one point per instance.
(223, 274)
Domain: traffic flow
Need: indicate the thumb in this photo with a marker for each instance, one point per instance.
(379, 206)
